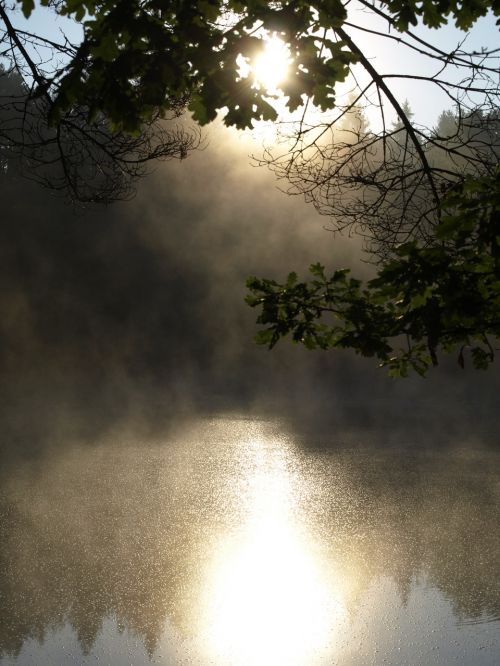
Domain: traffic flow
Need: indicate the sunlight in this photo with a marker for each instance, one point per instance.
(270, 67)
(270, 600)
(270, 605)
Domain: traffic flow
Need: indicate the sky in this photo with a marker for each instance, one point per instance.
(426, 101)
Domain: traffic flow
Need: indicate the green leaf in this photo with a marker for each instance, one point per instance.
(199, 111)
(27, 7)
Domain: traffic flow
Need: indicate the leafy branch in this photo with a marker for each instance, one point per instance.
(443, 297)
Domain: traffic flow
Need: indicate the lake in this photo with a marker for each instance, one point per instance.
(242, 542)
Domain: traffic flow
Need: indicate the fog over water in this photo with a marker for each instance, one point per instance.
(228, 542)
(137, 309)
(153, 459)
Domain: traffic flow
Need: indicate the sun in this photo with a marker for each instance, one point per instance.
(270, 67)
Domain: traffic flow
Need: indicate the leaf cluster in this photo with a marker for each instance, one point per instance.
(141, 57)
(138, 57)
(435, 13)
(441, 297)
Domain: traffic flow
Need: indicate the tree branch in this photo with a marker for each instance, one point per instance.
(395, 104)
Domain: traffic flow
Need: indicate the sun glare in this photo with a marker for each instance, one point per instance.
(270, 67)
(269, 601)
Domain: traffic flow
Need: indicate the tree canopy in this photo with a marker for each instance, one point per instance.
(139, 56)
(139, 61)
(444, 295)
(87, 159)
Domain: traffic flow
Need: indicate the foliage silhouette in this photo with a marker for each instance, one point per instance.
(140, 61)
(86, 161)
(137, 57)
(445, 294)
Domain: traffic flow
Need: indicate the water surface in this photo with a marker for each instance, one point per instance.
(236, 542)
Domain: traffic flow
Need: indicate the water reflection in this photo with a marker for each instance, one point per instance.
(269, 599)
(232, 544)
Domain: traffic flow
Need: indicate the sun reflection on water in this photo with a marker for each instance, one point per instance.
(269, 599)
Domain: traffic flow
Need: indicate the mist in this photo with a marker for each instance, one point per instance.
(132, 315)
